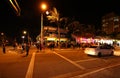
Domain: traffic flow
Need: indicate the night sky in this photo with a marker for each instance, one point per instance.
(86, 11)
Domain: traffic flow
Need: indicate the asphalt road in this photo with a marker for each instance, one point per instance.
(63, 63)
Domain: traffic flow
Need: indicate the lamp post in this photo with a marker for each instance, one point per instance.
(2, 38)
(28, 37)
(24, 32)
(23, 39)
(43, 7)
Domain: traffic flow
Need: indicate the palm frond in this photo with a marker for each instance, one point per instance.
(54, 15)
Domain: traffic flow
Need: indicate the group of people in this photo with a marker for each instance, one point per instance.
(25, 47)
(39, 47)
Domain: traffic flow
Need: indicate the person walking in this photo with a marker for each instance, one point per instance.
(4, 48)
(37, 46)
(40, 47)
(15, 45)
(52, 45)
(27, 49)
(23, 48)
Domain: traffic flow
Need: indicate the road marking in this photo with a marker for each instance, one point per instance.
(95, 71)
(29, 73)
(85, 60)
(77, 65)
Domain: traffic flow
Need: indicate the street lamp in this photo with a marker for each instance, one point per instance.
(24, 32)
(23, 38)
(43, 7)
(2, 38)
(28, 38)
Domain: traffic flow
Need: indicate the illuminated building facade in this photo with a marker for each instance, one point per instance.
(51, 34)
(111, 23)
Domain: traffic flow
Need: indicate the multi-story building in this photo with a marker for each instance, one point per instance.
(111, 23)
(51, 34)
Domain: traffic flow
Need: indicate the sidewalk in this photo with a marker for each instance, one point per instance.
(9, 51)
(117, 51)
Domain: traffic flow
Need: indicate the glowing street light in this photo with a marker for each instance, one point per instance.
(23, 37)
(43, 7)
(25, 32)
(3, 37)
(47, 12)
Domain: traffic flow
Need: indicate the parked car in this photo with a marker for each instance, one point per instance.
(99, 50)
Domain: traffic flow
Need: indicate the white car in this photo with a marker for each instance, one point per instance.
(99, 50)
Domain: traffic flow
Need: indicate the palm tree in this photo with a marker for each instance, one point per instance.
(55, 17)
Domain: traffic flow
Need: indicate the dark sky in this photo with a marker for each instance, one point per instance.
(86, 11)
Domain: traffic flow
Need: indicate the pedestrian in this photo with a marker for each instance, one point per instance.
(52, 45)
(15, 45)
(4, 48)
(27, 49)
(40, 47)
(37, 46)
(23, 48)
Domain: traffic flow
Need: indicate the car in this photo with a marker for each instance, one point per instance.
(99, 50)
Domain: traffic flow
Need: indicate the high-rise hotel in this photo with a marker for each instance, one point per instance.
(111, 23)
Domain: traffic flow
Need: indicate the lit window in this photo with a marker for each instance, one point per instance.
(116, 19)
